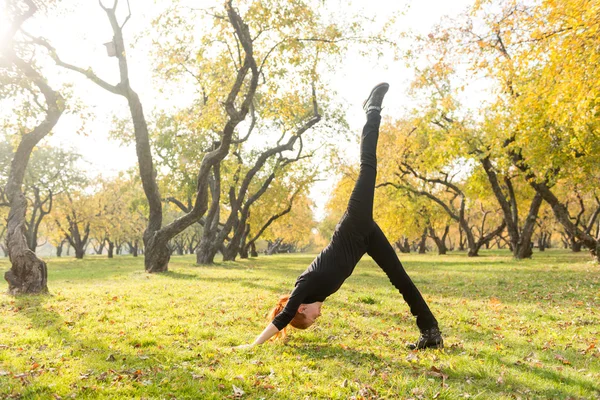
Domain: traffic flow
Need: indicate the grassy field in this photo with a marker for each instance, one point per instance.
(513, 330)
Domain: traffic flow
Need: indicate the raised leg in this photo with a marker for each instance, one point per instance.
(360, 205)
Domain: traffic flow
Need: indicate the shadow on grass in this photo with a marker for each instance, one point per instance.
(179, 275)
(349, 355)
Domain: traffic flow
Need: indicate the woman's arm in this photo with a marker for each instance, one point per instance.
(266, 334)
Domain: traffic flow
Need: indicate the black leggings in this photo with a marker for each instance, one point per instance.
(360, 211)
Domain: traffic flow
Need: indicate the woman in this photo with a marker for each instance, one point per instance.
(355, 235)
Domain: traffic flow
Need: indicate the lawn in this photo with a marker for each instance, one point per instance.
(528, 329)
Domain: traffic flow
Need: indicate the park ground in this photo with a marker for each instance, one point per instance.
(513, 330)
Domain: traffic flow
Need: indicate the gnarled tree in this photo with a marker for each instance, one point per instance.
(28, 273)
(235, 101)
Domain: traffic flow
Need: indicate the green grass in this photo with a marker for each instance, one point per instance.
(528, 330)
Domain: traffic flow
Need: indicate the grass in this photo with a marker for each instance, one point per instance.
(527, 329)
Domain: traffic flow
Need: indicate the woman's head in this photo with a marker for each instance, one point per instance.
(305, 316)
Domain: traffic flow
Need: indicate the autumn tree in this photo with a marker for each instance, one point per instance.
(51, 171)
(75, 214)
(542, 59)
(290, 100)
(282, 197)
(293, 231)
(33, 120)
(234, 100)
(415, 160)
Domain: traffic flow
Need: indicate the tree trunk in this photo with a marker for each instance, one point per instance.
(423, 242)
(562, 215)
(209, 246)
(111, 247)
(134, 247)
(37, 215)
(403, 245)
(156, 256)
(541, 244)
(59, 249)
(98, 250)
(230, 253)
(28, 274)
(272, 247)
(79, 252)
(205, 255)
(253, 252)
(244, 246)
(440, 242)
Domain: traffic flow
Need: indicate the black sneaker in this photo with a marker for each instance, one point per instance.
(373, 102)
(429, 339)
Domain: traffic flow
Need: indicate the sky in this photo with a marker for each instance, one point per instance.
(79, 37)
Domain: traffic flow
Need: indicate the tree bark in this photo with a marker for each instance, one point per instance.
(208, 246)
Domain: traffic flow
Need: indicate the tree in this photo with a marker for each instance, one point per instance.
(293, 231)
(463, 135)
(50, 172)
(75, 214)
(235, 102)
(28, 273)
(292, 44)
(118, 217)
(419, 164)
(282, 196)
(543, 59)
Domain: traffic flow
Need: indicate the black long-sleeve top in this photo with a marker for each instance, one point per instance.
(326, 274)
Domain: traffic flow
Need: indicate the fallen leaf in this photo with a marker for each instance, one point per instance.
(110, 358)
(562, 359)
(238, 392)
(345, 383)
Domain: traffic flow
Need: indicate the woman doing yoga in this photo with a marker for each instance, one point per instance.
(355, 235)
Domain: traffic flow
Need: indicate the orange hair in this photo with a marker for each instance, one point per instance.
(298, 322)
